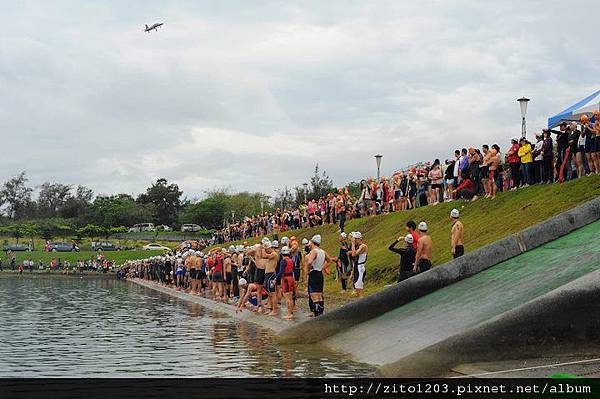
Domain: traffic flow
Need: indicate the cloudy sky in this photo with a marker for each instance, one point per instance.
(251, 94)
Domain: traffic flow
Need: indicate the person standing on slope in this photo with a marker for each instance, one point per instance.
(424, 248)
(456, 243)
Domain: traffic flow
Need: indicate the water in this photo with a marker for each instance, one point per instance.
(90, 327)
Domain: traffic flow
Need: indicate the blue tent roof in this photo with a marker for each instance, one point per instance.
(585, 105)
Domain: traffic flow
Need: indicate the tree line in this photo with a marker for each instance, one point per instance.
(61, 210)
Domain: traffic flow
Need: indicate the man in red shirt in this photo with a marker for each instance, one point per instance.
(411, 227)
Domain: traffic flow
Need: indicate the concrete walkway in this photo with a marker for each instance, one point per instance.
(471, 302)
(273, 323)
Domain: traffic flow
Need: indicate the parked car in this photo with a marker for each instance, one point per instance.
(154, 247)
(163, 227)
(190, 228)
(105, 246)
(62, 247)
(15, 247)
(136, 228)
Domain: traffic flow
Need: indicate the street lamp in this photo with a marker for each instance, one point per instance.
(523, 103)
(305, 190)
(232, 216)
(378, 160)
(262, 205)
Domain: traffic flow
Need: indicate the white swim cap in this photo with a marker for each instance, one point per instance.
(304, 241)
(454, 213)
(409, 239)
(265, 240)
(422, 226)
(343, 235)
(275, 244)
(284, 240)
(357, 235)
(285, 250)
(242, 281)
(316, 239)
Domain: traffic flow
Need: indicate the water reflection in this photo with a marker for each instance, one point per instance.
(106, 328)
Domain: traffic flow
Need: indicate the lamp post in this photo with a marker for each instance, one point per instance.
(262, 205)
(378, 160)
(523, 103)
(305, 190)
(232, 216)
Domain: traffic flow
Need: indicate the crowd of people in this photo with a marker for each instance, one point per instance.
(97, 264)
(261, 277)
(556, 155)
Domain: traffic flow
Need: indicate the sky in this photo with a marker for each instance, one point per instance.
(250, 95)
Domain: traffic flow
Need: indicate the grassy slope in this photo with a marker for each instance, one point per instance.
(485, 222)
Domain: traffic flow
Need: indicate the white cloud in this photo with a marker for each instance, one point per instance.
(252, 95)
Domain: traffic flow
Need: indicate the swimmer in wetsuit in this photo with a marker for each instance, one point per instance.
(358, 252)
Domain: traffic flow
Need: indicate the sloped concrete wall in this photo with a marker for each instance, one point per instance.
(566, 316)
(357, 312)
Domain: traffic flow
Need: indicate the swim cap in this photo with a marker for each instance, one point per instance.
(422, 226)
(275, 244)
(357, 235)
(316, 239)
(343, 235)
(284, 240)
(242, 281)
(409, 239)
(285, 251)
(304, 241)
(454, 213)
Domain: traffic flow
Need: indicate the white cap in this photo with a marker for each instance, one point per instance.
(409, 239)
(267, 244)
(265, 240)
(231, 248)
(304, 241)
(285, 250)
(284, 240)
(454, 213)
(242, 281)
(275, 244)
(422, 226)
(343, 235)
(316, 239)
(357, 235)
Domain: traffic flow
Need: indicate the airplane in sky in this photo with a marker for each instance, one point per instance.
(154, 26)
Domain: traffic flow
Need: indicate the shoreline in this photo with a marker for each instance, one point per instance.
(45, 274)
(275, 324)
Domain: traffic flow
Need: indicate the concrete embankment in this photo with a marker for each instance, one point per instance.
(539, 299)
(471, 264)
(276, 324)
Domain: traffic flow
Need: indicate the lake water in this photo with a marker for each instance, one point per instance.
(90, 327)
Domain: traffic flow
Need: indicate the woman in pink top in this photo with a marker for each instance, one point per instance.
(436, 182)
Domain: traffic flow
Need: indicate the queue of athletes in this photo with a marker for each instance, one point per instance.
(260, 277)
(257, 277)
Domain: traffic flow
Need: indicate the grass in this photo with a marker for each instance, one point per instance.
(485, 222)
(118, 257)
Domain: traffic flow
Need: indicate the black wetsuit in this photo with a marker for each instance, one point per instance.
(407, 260)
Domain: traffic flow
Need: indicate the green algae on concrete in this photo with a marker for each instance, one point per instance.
(470, 302)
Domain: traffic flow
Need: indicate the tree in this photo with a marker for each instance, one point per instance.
(76, 206)
(166, 199)
(209, 212)
(320, 184)
(53, 197)
(90, 230)
(17, 196)
(118, 210)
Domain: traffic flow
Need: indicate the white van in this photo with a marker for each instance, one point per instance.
(136, 228)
